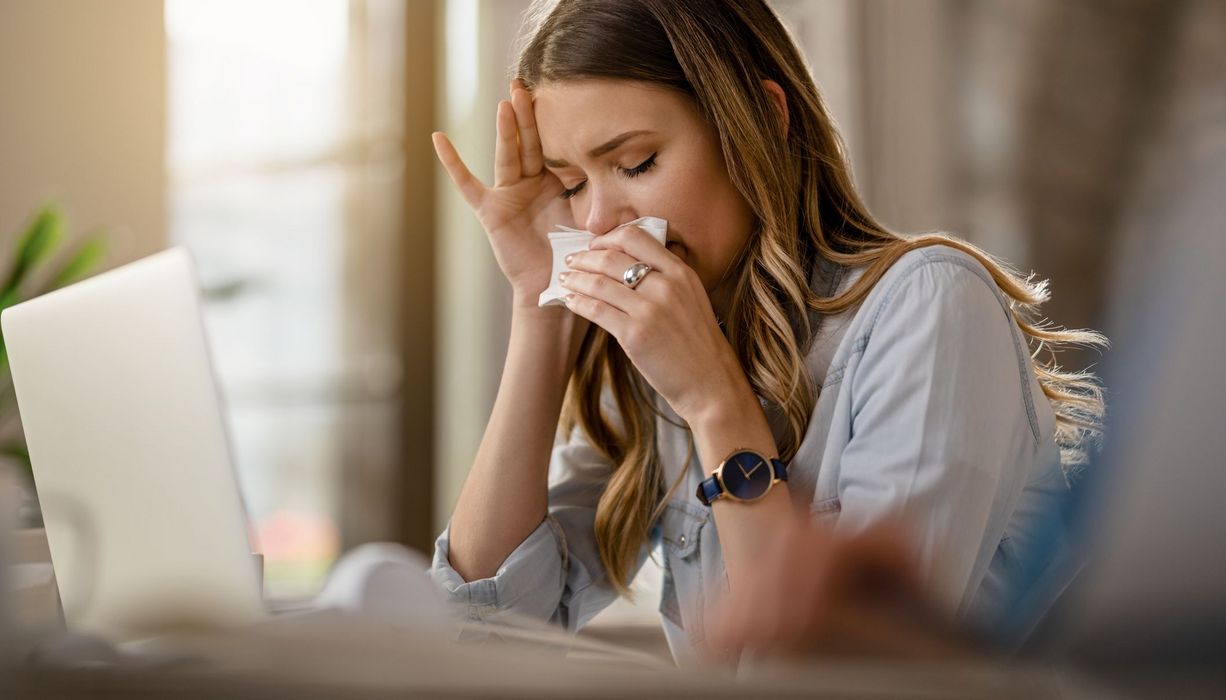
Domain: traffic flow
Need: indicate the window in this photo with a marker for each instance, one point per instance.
(284, 174)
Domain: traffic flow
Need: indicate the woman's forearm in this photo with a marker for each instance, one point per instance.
(731, 422)
(504, 497)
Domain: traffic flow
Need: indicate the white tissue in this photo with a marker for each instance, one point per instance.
(566, 240)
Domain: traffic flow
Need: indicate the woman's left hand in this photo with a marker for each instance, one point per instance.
(665, 325)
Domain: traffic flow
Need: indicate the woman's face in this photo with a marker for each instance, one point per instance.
(626, 149)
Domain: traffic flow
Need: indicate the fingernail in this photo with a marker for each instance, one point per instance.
(562, 277)
(569, 259)
(568, 298)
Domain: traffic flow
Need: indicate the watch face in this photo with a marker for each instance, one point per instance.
(746, 476)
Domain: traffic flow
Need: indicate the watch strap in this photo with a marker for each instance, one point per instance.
(709, 490)
(780, 469)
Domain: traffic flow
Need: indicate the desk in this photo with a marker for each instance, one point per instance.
(339, 656)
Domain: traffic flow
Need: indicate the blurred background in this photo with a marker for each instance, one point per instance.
(357, 317)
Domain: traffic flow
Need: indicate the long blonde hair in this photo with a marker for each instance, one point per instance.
(800, 188)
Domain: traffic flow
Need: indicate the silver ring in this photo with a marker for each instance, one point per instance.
(635, 274)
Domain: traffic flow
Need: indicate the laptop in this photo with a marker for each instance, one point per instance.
(132, 463)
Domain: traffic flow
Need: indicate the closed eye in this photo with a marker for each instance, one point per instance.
(567, 194)
(640, 168)
(628, 172)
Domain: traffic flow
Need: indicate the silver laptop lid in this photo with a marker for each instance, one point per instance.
(131, 459)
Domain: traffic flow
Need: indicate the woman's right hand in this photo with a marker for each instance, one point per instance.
(524, 203)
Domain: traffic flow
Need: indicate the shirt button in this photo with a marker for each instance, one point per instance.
(681, 540)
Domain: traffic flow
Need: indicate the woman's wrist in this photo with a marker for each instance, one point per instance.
(723, 400)
(528, 303)
(548, 319)
(550, 325)
(730, 421)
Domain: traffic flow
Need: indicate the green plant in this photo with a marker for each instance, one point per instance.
(26, 279)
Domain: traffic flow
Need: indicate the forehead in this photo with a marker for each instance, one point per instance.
(575, 115)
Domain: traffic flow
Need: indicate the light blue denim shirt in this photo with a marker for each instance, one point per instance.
(929, 409)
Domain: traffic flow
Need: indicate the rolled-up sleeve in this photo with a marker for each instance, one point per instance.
(529, 581)
(942, 431)
(556, 573)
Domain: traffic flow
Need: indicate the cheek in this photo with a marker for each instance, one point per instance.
(711, 220)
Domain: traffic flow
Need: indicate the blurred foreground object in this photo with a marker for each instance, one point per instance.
(1154, 589)
(849, 595)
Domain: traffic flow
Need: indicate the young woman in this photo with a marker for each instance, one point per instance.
(783, 351)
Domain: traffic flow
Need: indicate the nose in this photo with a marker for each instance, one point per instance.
(608, 210)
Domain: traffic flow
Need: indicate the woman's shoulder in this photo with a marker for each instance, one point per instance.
(940, 306)
(936, 268)
(934, 281)
(936, 290)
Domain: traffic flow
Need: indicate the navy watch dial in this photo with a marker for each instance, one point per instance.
(746, 475)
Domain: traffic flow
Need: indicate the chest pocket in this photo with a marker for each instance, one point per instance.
(681, 528)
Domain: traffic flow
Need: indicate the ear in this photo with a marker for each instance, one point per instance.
(780, 99)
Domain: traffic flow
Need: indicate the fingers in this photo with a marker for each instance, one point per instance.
(516, 132)
(506, 150)
(469, 186)
(639, 245)
(603, 288)
(599, 312)
(600, 273)
(613, 264)
(531, 159)
(609, 262)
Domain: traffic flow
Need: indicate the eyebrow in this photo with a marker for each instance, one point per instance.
(601, 149)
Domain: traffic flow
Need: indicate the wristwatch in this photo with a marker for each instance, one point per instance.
(744, 475)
